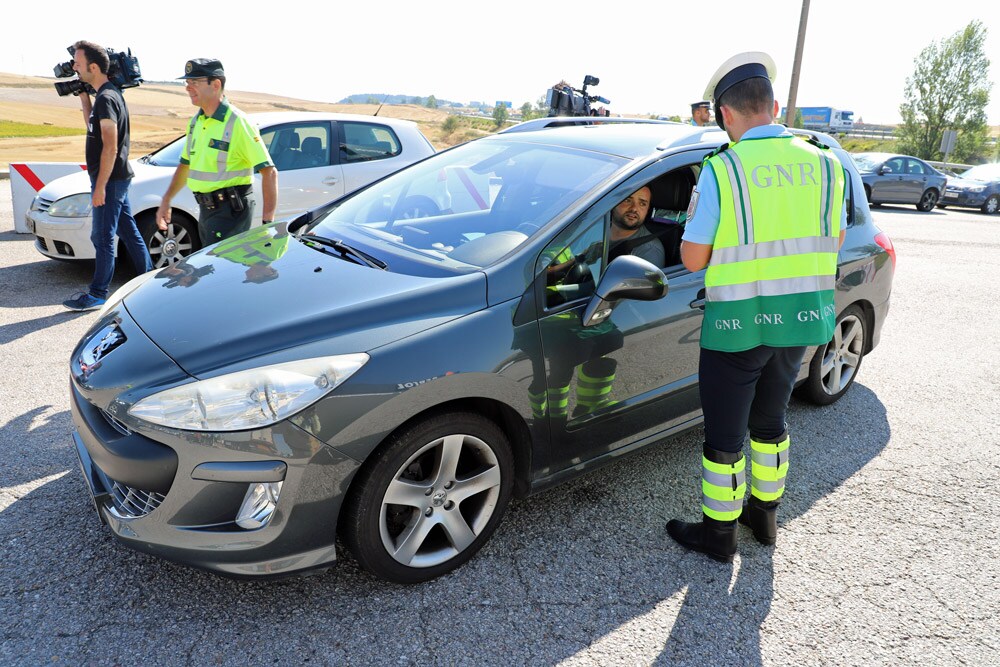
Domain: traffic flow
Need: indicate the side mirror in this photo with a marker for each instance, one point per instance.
(885, 169)
(627, 277)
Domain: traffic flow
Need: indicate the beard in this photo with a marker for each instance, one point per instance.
(621, 222)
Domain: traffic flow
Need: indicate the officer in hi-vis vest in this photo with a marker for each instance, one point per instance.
(767, 217)
(222, 151)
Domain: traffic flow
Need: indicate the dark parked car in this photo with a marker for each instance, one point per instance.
(979, 187)
(900, 179)
(414, 354)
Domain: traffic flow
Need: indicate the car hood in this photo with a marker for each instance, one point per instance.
(79, 183)
(966, 183)
(256, 297)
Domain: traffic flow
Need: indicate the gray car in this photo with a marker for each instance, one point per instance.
(395, 366)
(900, 179)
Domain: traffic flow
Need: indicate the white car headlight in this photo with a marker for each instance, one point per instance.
(978, 188)
(74, 206)
(248, 399)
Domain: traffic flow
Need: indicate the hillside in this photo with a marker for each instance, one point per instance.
(160, 111)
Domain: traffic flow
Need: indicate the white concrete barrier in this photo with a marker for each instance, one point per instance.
(27, 178)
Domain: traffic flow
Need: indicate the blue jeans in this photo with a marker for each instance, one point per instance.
(115, 219)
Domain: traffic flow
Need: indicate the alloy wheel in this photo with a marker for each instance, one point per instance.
(842, 355)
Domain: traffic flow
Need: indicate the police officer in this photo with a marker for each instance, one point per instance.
(222, 151)
(767, 217)
(700, 116)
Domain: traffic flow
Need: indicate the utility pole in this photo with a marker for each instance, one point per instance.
(793, 89)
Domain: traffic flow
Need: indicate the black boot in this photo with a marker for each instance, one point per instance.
(762, 517)
(715, 539)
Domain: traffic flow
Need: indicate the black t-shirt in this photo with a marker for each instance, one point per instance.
(108, 105)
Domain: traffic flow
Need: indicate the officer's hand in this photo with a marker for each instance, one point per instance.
(163, 216)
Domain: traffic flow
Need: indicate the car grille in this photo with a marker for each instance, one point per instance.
(130, 503)
(41, 204)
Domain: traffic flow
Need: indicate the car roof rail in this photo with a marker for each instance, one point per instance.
(536, 124)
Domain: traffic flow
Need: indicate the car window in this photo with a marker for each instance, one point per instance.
(167, 156)
(865, 162)
(573, 261)
(983, 172)
(362, 142)
(299, 145)
(895, 166)
(471, 205)
(915, 167)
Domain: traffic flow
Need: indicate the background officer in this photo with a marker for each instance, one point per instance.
(222, 152)
(768, 218)
(700, 115)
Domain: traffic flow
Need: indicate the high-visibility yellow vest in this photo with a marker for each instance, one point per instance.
(222, 150)
(771, 277)
(259, 246)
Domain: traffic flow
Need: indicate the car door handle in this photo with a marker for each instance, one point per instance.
(699, 302)
(330, 180)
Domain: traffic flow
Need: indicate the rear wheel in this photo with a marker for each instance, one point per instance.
(169, 247)
(928, 200)
(835, 365)
(429, 498)
(991, 205)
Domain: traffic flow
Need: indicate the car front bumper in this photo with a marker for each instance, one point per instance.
(962, 198)
(176, 494)
(61, 238)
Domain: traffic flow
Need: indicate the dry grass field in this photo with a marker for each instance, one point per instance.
(160, 112)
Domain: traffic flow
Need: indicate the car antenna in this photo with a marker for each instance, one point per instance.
(380, 105)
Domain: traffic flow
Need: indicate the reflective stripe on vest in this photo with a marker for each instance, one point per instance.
(771, 277)
(245, 176)
(723, 486)
(769, 469)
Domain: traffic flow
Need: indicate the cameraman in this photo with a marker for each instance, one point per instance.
(110, 175)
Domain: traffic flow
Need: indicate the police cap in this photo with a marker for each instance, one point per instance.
(704, 104)
(202, 67)
(743, 66)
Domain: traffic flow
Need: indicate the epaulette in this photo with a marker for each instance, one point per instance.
(718, 150)
(817, 143)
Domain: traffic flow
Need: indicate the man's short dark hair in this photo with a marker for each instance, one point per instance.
(749, 97)
(95, 54)
(220, 79)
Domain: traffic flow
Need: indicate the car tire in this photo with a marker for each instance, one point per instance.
(991, 205)
(169, 247)
(425, 533)
(835, 365)
(928, 200)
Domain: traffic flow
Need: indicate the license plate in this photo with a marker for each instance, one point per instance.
(31, 224)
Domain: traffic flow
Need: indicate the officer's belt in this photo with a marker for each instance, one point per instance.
(212, 200)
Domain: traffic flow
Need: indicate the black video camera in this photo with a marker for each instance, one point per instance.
(123, 72)
(564, 100)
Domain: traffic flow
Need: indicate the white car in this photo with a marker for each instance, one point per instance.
(319, 156)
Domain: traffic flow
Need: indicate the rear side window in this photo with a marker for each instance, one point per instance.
(298, 146)
(363, 142)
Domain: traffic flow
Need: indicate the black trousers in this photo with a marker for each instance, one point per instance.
(224, 221)
(749, 389)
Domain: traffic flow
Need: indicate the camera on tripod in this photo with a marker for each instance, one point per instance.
(564, 100)
(123, 72)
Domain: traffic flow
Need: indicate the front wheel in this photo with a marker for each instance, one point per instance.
(169, 247)
(928, 200)
(429, 498)
(835, 365)
(991, 205)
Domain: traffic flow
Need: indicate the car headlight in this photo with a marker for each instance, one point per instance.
(123, 291)
(74, 206)
(977, 189)
(248, 399)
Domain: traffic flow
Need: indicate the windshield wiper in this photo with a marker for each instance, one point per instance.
(359, 256)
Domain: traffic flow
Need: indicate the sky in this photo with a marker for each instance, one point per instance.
(650, 58)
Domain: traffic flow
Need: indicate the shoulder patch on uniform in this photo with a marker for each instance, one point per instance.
(718, 150)
(817, 143)
(693, 205)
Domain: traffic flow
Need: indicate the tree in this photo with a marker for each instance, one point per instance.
(500, 115)
(526, 111)
(948, 90)
(371, 100)
(431, 102)
(415, 100)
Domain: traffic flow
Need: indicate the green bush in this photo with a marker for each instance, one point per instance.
(450, 124)
(11, 128)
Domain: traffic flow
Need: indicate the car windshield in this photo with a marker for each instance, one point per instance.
(984, 172)
(866, 162)
(468, 207)
(166, 156)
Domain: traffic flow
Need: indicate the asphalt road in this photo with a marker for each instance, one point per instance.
(887, 551)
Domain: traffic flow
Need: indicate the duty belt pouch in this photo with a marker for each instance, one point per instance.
(235, 200)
